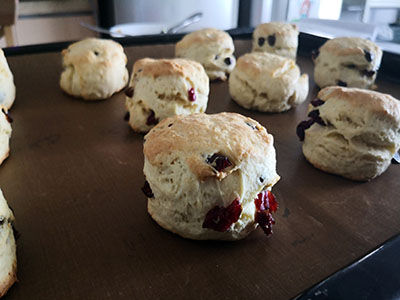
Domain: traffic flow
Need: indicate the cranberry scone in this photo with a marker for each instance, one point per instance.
(210, 176)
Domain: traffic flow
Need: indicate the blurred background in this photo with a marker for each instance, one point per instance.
(25, 22)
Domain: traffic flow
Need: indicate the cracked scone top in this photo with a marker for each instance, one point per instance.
(7, 87)
(94, 69)
(212, 48)
(5, 134)
(277, 38)
(352, 132)
(205, 174)
(8, 257)
(267, 82)
(348, 62)
(162, 88)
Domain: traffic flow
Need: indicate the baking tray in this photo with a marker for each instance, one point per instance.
(74, 176)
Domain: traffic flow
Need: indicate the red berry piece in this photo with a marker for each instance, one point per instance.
(221, 218)
(192, 95)
(151, 119)
(368, 56)
(271, 40)
(146, 189)
(126, 117)
(227, 61)
(300, 129)
(261, 41)
(265, 204)
(314, 115)
(129, 92)
(219, 162)
(367, 73)
(317, 102)
(341, 83)
(8, 117)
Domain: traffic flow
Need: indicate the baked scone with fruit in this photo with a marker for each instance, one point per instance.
(5, 133)
(210, 176)
(94, 69)
(212, 48)
(7, 87)
(351, 132)
(267, 82)
(347, 62)
(162, 88)
(276, 38)
(8, 255)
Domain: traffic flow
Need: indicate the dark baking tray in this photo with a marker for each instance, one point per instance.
(74, 179)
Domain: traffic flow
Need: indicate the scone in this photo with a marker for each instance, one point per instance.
(212, 48)
(7, 87)
(5, 134)
(351, 132)
(162, 88)
(277, 38)
(348, 62)
(267, 82)
(210, 176)
(8, 256)
(94, 69)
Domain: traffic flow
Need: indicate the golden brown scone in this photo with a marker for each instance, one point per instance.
(348, 62)
(205, 172)
(212, 48)
(7, 87)
(8, 257)
(161, 88)
(5, 133)
(276, 38)
(94, 69)
(267, 82)
(351, 132)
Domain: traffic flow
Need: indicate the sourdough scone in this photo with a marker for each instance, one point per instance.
(267, 82)
(351, 132)
(161, 88)
(8, 256)
(347, 62)
(212, 48)
(210, 176)
(5, 133)
(277, 38)
(94, 69)
(7, 87)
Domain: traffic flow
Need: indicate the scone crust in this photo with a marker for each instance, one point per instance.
(214, 134)
(343, 46)
(5, 134)
(7, 87)
(267, 82)
(210, 47)
(94, 69)
(361, 135)
(8, 273)
(286, 38)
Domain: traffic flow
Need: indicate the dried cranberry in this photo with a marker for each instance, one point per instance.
(271, 40)
(169, 125)
(221, 218)
(367, 73)
(368, 56)
(396, 158)
(216, 57)
(191, 95)
(261, 41)
(265, 204)
(261, 179)
(127, 115)
(96, 53)
(129, 92)
(314, 115)
(341, 83)
(146, 189)
(300, 129)
(351, 66)
(314, 54)
(317, 102)
(219, 162)
(151, 119)
(227, 61)
(2, 219)
(8, 117)
(251, 125)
